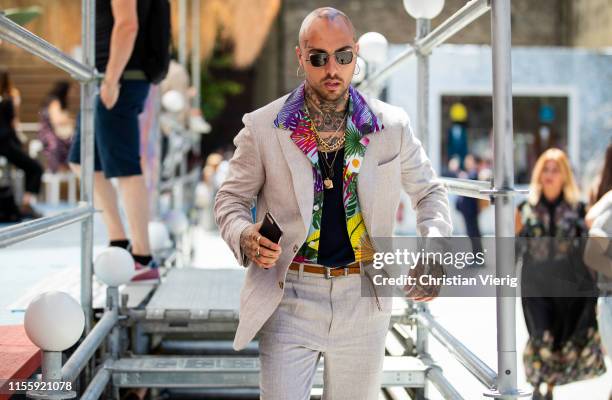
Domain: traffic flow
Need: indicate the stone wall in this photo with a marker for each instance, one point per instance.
(591, 23)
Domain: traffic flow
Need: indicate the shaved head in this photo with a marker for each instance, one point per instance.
(327, 31)
(328, 14)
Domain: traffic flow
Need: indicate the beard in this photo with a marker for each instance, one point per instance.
(331, 97)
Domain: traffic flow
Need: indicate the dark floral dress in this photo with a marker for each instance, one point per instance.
(55, 148)
(564, 344)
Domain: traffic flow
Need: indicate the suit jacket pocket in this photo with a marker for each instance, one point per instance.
(388, 174)
(385, 162)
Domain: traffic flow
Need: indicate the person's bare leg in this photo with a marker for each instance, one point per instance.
(136, 207)
(105, 198)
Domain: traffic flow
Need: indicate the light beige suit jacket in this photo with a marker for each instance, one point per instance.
(269, 168)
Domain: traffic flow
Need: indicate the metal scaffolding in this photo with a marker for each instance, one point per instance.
(502, 384)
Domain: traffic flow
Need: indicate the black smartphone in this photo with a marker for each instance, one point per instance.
(270, 228)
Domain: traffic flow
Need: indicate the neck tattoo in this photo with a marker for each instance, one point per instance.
(327, 116)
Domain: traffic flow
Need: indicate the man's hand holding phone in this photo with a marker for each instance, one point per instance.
(258, 248)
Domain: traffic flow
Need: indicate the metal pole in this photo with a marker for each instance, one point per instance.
(182, 41)
(437, 378)
(51, 368)
(87, 158)
(467, 187)
(422, 344)
(504, 208)
(88, 347)
(27, 230)
(155, 206)
(469, 360)
(21, 37)
(195, 52)
(97, 385)
(88, 90)
(472, 10)
(423, 28)
(196, 65)
(114, 339)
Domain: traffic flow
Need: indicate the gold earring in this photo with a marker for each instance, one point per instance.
(297, 72)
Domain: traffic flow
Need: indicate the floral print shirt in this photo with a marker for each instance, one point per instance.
(361, 122)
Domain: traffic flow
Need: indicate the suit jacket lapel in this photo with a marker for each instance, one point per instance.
(301, 174)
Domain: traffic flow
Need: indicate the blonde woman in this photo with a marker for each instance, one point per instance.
(564, 344)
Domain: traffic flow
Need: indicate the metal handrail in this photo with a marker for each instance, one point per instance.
(78, 360)
(459, 20)
(191, 177)
(21, 37)
(467, 14)
(27, 230)
(98, 384)
(474, 365)
(435, 375)
(467, 187)
(84, 72)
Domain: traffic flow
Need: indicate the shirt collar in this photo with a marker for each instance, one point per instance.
(361, 115)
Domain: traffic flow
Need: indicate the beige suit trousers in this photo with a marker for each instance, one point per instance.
(330, 318)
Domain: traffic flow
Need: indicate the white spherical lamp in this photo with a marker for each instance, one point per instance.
(177, 222)
(159, 238)
(114, 266)
(54, 321)
(427, 9)
(173, 101)
(373, 47)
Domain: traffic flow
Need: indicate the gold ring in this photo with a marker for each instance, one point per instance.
(257, 255)
(258, 237)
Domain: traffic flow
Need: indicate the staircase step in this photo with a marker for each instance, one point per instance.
(219, 372)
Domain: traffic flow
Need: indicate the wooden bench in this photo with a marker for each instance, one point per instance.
(19, 357)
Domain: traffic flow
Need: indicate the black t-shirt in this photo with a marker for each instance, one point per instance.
(104, 28)
(334, 244)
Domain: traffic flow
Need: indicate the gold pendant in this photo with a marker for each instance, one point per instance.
(328, 183)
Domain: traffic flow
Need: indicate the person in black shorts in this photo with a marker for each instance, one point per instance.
(122, 94)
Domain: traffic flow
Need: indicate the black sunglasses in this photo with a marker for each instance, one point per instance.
(343, 57)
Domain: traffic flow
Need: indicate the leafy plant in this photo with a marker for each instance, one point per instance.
(216, 91)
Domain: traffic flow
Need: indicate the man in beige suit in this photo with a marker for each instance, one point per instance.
(329, 165)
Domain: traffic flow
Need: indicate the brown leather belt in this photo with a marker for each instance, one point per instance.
(328, 272)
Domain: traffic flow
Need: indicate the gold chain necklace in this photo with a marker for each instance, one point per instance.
(329, 172)
(325, 148)
(321, 142)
